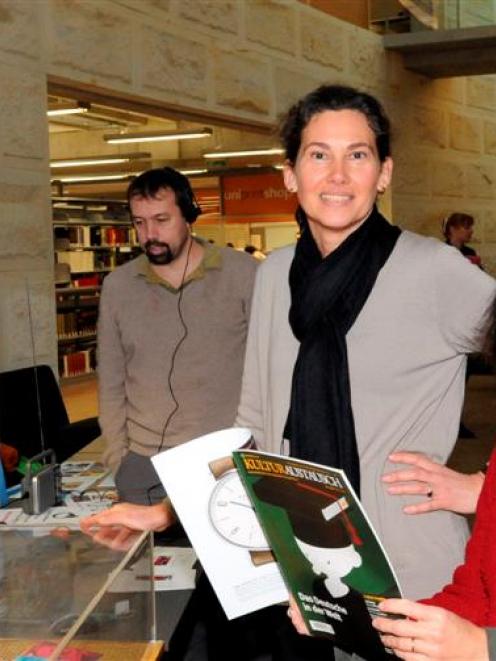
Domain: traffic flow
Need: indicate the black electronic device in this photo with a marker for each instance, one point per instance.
(185, 196)
(41, 486)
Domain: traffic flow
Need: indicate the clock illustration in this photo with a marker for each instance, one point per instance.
(232, 515)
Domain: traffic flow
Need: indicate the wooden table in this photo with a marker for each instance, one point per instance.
(109, 651)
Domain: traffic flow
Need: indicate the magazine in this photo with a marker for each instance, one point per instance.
(224, 532)
(240, 521)
(328, 553)
(79, 476)
(58, 516)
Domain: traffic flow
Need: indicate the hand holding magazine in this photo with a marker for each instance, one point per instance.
(327, 553)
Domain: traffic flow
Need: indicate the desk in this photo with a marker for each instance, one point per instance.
(59, 587)
(10, 648)
(46, 578)
(170, 605)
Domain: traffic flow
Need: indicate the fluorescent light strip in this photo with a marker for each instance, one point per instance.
(245, 152)
(88, 207)
(117, 138)
(105, 159)
(66, 111)
(95, 177)
(199, 171)
(152, 138)
(86, 161)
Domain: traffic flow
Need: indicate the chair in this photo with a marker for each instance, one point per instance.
(30, 396)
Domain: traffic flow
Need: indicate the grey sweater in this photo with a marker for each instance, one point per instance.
(491, 639)
(406, 355)
(139, 329)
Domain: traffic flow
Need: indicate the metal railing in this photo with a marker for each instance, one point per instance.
(418, 15)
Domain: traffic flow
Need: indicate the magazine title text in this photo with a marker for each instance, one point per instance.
(259, 465)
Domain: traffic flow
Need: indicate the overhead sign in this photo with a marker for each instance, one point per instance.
(253, 194)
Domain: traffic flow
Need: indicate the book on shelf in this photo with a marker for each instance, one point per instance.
(79, 236)
(66, 324)
(94, 236)
(276, 525)
(77, 362)
(78, 260)
(87, 281)
(77, 324)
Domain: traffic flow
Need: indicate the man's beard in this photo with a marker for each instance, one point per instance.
(158, 258)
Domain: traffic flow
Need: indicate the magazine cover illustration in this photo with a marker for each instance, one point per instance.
(327, 551)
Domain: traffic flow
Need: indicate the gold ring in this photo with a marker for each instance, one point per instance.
(413, 646)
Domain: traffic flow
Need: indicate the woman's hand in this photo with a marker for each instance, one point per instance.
(296, 617)
(430, 632)
(118, 526)
(444, 489)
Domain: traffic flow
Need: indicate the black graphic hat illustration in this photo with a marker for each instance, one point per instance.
(317, 515)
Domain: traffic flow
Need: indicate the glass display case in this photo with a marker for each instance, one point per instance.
(64, 597)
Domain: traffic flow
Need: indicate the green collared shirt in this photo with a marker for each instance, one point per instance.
(212, 259)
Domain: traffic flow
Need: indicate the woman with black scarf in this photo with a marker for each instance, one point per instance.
(372, 360)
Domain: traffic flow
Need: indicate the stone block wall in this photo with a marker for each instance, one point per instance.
(27, 313)
(241, 59)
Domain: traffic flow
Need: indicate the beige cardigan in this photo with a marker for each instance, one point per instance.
(406, 353)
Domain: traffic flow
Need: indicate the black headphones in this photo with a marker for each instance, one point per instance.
(148, 183)
(185, 198)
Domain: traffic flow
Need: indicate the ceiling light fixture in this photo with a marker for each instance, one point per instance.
(69, 109)
(98, 160)
(82, 207)
(90, 178)
(156, 136)
(198, 171)
(263, 151)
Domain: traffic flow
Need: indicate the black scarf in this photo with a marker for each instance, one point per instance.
(326, 298)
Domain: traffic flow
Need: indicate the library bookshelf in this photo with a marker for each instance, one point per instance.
(91, 238)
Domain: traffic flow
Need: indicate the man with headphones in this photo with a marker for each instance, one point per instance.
(171, 335)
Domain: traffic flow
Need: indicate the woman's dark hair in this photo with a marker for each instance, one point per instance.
(456, 220)
(335, 97)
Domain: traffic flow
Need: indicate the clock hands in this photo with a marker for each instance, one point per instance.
(236, 502)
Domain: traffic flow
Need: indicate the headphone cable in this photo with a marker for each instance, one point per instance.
(176, 348)
(173, 362)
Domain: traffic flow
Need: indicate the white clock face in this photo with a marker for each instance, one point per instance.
(232, 514)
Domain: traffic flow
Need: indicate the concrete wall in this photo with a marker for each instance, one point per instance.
(243, 59)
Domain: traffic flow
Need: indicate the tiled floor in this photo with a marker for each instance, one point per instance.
(81, 401)
(80, 397)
